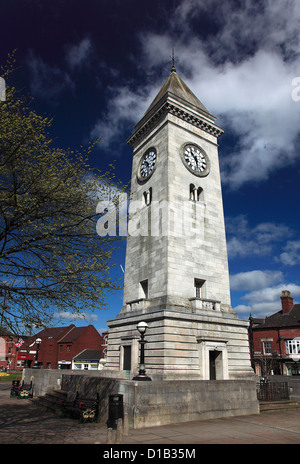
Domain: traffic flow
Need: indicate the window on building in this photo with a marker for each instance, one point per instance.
(144, 287)
(69, 347)
(127, 358)
(192, 192)
(148, 196)
(200, 194)
(292, 346)
(196, 194)
(267, 347)
(199, 288)
(60, 348)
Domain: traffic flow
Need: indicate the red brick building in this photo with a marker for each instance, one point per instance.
(9, 350)
(59, 345)
(275, 340)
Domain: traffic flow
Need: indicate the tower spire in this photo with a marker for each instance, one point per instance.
(173, 69)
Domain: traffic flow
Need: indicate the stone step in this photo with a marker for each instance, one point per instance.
(273, 406)
(58, 394)
(51, 401)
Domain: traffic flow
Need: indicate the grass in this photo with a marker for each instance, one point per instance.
(9, 377)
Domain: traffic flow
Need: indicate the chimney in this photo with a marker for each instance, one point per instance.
(287, 301)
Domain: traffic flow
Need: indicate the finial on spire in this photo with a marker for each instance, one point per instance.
(173, 69)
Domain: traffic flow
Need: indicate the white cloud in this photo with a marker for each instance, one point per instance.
(73, 316)
(259, 240)
(77, 55)
(243, 309)
(261, 309)
(254, 98)
(124, 110)
(105, 329)
(243, 74)
(271, 293)
(291, 254)
(266, 301)
(268, 24)
(254, 280)
(46, 82)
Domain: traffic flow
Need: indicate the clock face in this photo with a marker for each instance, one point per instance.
(195, 160)
(147, 164)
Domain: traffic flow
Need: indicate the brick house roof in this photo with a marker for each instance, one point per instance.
(88, 355)
(73, 334)
(279, 319)
(53, 332)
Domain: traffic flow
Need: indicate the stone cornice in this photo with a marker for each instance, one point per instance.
(175, 110)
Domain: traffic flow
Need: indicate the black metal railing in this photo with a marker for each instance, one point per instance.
(272, 391)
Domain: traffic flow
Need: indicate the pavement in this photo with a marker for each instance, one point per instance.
(22, 422)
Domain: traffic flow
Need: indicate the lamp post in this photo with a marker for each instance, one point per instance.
(142, 327)
(38, 341)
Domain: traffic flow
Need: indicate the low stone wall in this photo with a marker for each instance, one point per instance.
(45, 380)
(181, 401)
(157, 402)
(165, 402)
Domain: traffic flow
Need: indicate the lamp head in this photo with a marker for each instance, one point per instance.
(38, 341)
(142, 327)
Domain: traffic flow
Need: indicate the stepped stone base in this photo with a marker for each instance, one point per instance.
(180, 345)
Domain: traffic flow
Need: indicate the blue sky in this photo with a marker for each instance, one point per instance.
(96, 65)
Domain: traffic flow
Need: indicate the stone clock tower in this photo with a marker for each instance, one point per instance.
(176, 270)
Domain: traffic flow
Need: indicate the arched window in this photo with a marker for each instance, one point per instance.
(148, 196)
(193, 192)
(200, 194)
(196, 194)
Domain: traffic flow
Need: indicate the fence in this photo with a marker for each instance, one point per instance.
(272, 391)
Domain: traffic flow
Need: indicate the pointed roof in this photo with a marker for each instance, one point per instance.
(174, 86)
(73, 334)
(176, 98)
(53, 332)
